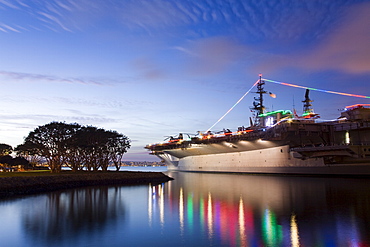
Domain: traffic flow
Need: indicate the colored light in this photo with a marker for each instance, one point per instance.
(357, 105)
(190, 211)
(161, 203)
(181, 209)
(233, 106)
(285, 84)
(269, 122)
(316, 89)
(243, 237)
(210, 216)
(294, 233)
(283, 112)
(347, 139)
(150, 203)
(271, 231)
(201, 213)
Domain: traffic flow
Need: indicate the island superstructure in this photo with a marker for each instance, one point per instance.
(278, 142)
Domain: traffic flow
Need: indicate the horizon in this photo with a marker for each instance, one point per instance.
(154, 69)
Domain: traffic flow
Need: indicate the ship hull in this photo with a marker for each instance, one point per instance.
(269, 160)
(292, 146)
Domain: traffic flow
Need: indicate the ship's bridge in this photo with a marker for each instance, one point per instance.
(356, 112)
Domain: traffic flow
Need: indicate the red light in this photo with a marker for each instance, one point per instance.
(357, 105)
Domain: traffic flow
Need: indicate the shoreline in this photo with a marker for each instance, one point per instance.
(27, 185)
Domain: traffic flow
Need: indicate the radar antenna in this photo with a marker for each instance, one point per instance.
(258, 107)
(308, 111)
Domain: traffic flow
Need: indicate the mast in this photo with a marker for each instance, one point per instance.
(307, 103)
(308, 111)
(258, 107)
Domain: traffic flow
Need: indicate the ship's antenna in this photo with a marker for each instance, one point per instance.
(258, 107)
(307, 106)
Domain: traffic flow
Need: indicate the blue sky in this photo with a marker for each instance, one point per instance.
(153, 68)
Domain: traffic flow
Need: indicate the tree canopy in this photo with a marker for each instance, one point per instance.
(78, 147)
(5, 149)
(8, 161)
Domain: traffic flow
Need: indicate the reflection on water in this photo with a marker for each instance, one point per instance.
(72, 213)
(196, 209)
(244, 210)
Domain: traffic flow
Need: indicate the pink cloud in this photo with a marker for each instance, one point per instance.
(148, 69)
(345, 48)
(212, 55)
(348, 47)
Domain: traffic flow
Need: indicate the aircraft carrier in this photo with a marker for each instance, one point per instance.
(278, 142)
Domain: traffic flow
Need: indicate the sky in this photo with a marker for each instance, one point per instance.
(155, 68)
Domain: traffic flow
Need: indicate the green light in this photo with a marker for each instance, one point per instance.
(283, 112)
(272, 233)
(201, 215)
(190, 210)
(307, 114)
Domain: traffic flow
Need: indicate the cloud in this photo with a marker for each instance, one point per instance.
(20, 120)
(8, 4)
(53, 19)
(70, 15)
(212, 55)
(6, 28)
(53, 14)
(252, 20)
(345, 48)
(153, 14)
(18, 76)
(147, 69)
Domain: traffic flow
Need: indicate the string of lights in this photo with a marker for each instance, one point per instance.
(315, 89)
(285, 84)
(233, 106)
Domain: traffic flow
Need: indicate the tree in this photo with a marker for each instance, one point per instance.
(86, 144)
(93, 145)
(5, 149)
(28, 151)
(78, 147)
(118, 145)
(6, 160)
(21, 162)
(50, 141)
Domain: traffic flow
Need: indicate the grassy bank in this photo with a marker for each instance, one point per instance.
(22, 183)
(24, 174)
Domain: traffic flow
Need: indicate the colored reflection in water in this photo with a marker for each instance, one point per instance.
(210, 216)
(294, 234)
(241, 213)
(271, 231)
(243, 239)
(196, 209)
(72, 215)
(181, 210)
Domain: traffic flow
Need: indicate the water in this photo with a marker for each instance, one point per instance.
(196, 209)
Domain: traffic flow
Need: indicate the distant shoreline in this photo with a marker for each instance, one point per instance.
(26, 185)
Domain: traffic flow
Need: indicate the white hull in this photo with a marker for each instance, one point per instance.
(271, 160)
(293, 146)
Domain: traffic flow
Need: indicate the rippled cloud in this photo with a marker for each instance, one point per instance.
(287, 20)
(19, 76)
